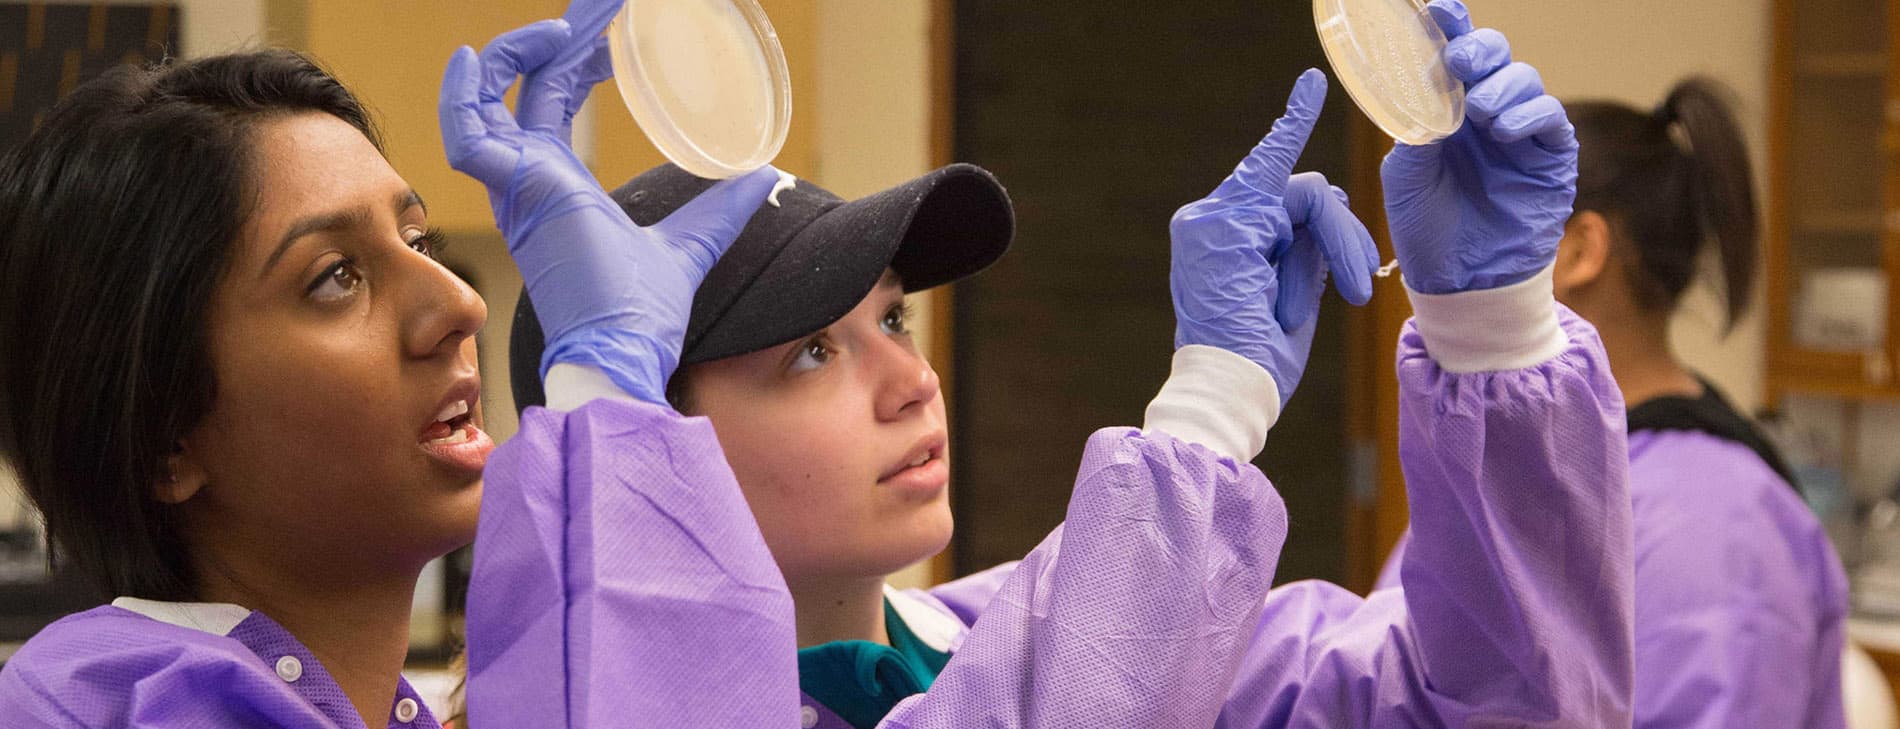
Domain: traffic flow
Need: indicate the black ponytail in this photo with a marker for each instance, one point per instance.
(1670, 182)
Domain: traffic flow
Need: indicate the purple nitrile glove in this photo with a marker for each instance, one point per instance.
(1250, 260)
(1485, 207)
(609, 294)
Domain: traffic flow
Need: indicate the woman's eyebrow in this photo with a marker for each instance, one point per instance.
(319, 223)
(337, 220)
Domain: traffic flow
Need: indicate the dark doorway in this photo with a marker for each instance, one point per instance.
(1102, 118)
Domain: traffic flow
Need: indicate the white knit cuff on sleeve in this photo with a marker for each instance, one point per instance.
(1218, 399)
(1506, 328)
(569, 386)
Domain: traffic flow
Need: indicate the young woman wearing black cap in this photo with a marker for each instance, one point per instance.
(833, 424)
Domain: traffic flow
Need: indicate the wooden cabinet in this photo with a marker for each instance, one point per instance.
(1833, 238)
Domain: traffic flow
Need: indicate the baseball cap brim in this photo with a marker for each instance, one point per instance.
(933, 230)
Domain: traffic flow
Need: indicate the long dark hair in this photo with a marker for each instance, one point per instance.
(1671, 181)
(117, 217)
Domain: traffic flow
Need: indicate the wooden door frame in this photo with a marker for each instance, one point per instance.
(942, 306)
(1376, 517)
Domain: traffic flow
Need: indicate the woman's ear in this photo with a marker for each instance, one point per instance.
(1583, 254)
(183, 478)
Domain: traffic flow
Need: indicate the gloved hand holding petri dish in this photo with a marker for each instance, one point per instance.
(706, 79)
(1390, 56)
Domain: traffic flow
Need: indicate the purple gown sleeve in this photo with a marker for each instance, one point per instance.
(1517, 600)
(620, 580)
(1165, 553)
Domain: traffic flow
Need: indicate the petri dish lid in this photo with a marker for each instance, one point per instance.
(706, 80)
(1390, 56)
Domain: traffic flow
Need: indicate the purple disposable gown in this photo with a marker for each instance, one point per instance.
(111, 667)
(1517, 614)
(621, 581)
(1740, 598)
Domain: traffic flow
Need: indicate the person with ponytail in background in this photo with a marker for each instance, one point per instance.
(1741, 601)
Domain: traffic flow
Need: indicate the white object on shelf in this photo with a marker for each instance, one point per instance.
(1841, 310)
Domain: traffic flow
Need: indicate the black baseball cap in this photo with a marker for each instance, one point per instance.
(804, 264)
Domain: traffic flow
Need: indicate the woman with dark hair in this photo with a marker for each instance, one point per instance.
(1740, 598)
(243, 393)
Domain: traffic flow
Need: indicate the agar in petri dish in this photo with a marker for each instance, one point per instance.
(706, 80)
(1390, 56)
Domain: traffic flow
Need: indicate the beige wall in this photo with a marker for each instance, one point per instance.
(1634, 50)
(874, 94)
(217, 26)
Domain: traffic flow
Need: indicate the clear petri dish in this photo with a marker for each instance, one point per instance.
(1390, 56)
(706, 80)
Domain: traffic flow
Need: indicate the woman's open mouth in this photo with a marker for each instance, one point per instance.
(455, 439)
(924, 471)
(451, 426)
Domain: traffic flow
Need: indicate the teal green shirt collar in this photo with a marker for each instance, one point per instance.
(861, 681)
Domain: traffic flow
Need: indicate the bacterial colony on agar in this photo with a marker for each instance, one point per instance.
(1389, 55)
(706, 80)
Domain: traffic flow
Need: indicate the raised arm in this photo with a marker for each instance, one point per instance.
(619, 576)
(1517, 600)
(1139, 607)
